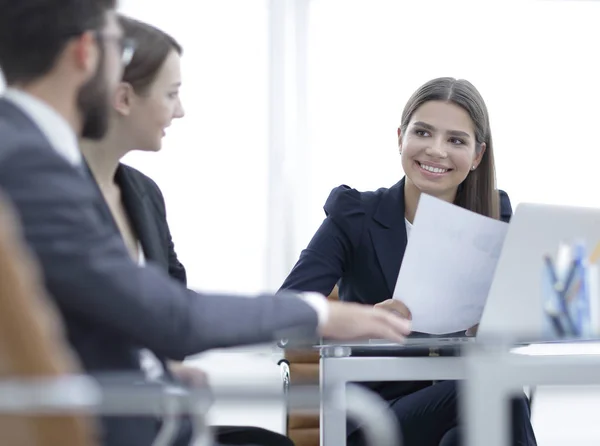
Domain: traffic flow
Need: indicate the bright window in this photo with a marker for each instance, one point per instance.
(212, 168)
(536, 63)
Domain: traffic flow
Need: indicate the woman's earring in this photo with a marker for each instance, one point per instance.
(473, 168)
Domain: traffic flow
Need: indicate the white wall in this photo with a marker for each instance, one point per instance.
(212, 168)
(536, 64)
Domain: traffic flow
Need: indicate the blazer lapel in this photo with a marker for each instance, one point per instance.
(388, 234)
(142, 216)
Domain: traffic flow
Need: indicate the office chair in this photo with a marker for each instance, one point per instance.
(32, 344)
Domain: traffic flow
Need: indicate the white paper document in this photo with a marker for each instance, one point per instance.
(448, 266)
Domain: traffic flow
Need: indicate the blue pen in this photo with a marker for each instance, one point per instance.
(583, 297)
(554, 316)
(575, 309)
(559, 316)
(561, 287)
(566, 285)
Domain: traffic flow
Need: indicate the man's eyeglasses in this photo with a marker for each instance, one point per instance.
(127, 50)
(126, 46)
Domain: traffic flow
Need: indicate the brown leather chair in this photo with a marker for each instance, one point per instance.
(32, 344)
(303, 429)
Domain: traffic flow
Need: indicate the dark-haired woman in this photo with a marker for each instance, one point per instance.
(445, 144)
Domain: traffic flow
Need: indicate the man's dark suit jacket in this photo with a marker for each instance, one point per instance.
(360, 246)
(109, 305)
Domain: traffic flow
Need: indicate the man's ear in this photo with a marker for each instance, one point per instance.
(123, 98)
(86, 53)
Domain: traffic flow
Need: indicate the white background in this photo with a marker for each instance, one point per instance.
(535, 63)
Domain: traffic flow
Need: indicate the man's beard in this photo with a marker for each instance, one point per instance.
(93, 101)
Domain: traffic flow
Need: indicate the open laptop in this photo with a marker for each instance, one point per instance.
(514, 305)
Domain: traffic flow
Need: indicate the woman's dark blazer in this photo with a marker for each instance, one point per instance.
(145, 207)
(360, 245)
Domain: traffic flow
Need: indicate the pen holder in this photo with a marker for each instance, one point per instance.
(570, 312)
